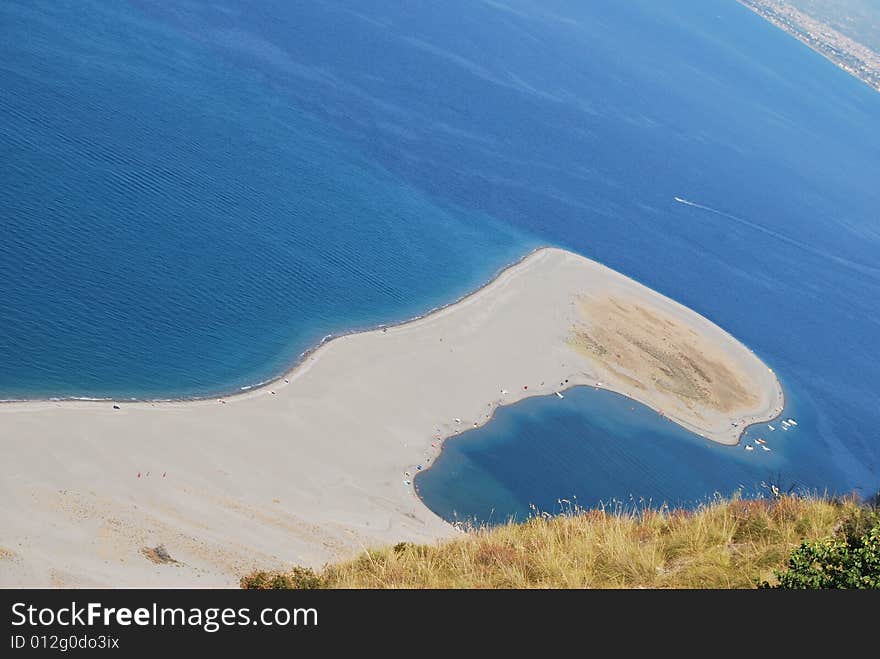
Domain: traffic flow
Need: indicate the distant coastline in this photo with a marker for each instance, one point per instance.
(855, 58)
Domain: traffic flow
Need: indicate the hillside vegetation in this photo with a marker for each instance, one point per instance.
(724, 544)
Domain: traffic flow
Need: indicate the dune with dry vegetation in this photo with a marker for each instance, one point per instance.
(723, 544)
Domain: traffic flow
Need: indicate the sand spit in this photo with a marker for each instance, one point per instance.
(318, 464)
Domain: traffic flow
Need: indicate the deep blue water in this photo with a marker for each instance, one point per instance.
(192, 193)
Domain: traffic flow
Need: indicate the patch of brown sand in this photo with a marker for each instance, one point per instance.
(646, 348)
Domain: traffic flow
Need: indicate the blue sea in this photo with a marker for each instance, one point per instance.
(192, 193)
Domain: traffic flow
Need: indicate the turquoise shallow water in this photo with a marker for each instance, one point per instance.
(193, 193)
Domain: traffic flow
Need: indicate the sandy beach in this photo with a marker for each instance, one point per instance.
(313, 467)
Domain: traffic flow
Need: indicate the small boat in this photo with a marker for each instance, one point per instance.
(771, 427)
(766, 448)
(559, 394)
(749, 448)
(760, 441)
(792, 422)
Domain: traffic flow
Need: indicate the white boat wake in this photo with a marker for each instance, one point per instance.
(860, 267)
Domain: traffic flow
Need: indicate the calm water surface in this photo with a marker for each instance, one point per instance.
(192, 193)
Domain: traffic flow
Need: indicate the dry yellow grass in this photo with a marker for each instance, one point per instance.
(725, 544)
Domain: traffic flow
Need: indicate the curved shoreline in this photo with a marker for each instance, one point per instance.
(317, 463)
(443, 447)
(286, 376)
(297, 362)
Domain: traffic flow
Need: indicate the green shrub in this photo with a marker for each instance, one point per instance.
(849, 560)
